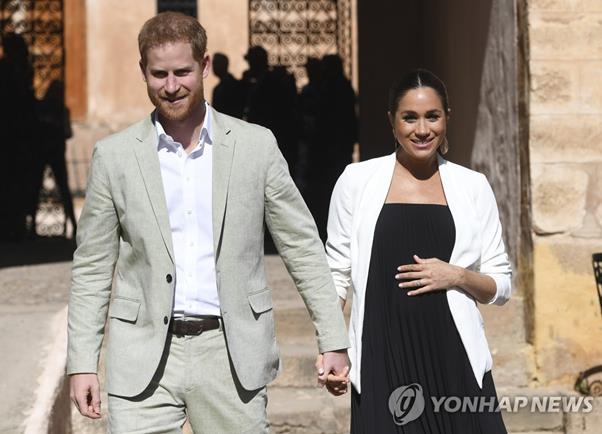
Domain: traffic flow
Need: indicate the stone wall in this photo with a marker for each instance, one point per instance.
(227, 26)
(116, 90)
(566, 173)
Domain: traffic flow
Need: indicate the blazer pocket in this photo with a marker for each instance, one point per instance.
(124, 309)
(261, 301)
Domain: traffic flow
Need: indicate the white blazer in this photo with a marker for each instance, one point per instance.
(356, 203)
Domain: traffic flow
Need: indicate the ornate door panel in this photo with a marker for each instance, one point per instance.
(293, 30)
(40, 24)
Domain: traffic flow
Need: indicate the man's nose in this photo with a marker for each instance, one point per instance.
(171, 84)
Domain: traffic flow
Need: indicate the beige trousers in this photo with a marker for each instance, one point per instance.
(196, 381)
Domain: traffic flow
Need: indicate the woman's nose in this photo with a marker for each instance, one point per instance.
(422, 128)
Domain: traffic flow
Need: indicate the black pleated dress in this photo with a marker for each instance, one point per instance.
(413, 339)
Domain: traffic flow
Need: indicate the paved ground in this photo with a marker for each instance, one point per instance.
(30, 297)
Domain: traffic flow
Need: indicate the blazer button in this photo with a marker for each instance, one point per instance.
(165, 320)
(168, 278)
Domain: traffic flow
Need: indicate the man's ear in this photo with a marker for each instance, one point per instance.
(206, 65)
(142, 70)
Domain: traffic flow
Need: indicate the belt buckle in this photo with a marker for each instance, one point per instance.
(177, 328)
(200, 330)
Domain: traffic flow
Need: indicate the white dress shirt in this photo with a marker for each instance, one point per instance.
(188, 187)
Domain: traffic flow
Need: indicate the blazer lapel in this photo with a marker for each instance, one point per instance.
(460, 208)
(148, 163)
(223, 151)
(369, 207)
(374, 195)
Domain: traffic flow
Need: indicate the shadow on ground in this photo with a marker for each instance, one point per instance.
(40, 250)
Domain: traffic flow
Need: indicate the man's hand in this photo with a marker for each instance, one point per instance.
(333, 371)
(85, 394)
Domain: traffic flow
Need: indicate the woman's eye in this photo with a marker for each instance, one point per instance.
(433, 118)
(409, 118)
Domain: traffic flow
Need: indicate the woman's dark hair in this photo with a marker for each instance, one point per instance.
(414, 80)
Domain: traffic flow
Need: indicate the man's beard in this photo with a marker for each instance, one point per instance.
(181, 112)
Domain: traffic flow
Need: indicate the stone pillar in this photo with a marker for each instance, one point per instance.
(566, 171)
(75, 58)
(496, 147)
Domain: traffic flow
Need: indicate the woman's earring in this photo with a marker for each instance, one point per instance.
(395, 141)
(444, 146)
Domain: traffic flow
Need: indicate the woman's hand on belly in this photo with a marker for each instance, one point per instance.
(428, 275)
(433, 274)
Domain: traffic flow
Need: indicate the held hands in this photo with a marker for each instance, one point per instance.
(428, 275)
(85, 394)
(333, 371)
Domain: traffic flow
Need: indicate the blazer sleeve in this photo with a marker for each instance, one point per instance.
(494, 259)
(296, 237)
(92, 273)
(338, 245)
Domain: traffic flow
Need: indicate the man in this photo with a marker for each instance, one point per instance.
(229, 94)
(174, 218)
(271, 96)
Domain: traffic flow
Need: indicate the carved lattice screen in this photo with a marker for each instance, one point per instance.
(40, 23)
(293, 30)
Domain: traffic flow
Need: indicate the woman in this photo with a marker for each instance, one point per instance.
(419, 240)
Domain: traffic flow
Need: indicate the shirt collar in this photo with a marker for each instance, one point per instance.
(166, 141)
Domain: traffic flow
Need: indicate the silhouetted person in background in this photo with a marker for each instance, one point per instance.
(270, 102)
(335, 136)
(229, 95)
(18, 125)
(55, 129)
(308, 106)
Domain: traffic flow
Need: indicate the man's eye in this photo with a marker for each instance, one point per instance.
(159, 74)
(182, 73)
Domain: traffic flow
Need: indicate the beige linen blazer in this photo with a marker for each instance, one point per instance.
(124, 243)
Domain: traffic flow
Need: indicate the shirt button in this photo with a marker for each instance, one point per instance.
(189, 212)
(168, 278)
(179, 153)
(188, 178)
(165, 320)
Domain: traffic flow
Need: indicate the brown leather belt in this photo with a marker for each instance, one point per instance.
(193, 326)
